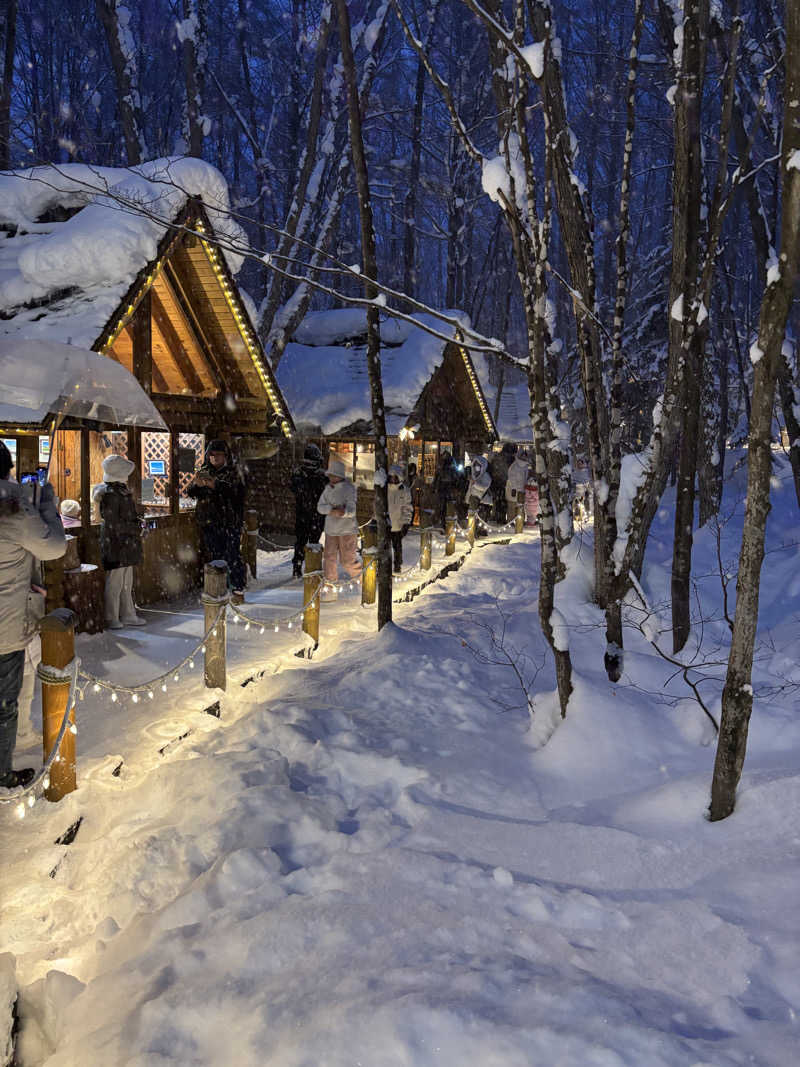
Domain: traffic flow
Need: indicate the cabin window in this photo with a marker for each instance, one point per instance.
(191, 451)
(430, 459)
(345, 451)
(365, 466)
(156, 471)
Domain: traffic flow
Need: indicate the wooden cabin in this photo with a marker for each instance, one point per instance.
(163, 303)
(433, 397)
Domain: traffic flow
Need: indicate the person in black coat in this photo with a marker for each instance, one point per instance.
(219, 491)
(120, 541)
(308, 481)
(446, 484)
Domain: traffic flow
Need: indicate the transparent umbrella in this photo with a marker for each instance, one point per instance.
(46, 380)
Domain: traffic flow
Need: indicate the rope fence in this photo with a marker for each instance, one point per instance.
(65, 681)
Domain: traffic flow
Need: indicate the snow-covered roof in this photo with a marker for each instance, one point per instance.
(63, 280)
(323, 372)
(512, 418)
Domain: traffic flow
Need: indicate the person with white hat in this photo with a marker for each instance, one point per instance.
(120, 541)
(70, 514)
(401, 512)
(338, 505)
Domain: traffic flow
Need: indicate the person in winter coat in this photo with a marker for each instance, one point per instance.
(338, 505)
(27, 533)
(307, 484)
(70, 514)
(401, 512)
(219, 491)
(445, 485)
(478, 494)
(515, 485)
(499, 464)
(120, 541)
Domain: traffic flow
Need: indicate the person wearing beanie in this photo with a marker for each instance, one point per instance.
(70, 513)
(219, 491)
(120, 541)
(401, 512)
(28, 533)
(307, 484)
(338, 505)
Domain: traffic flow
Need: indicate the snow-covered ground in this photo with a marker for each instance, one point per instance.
(372, 858)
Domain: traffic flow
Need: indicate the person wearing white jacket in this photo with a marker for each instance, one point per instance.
(27, 533)
(338, 504)
(401, 511)
(517, 480)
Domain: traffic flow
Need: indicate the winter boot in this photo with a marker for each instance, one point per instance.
(14, 779)
(329, 593)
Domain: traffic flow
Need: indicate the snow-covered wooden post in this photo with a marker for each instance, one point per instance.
(471, 529)
(519, 519)
(369, 535)
(450, 528)
(58, 650)
(312, 580)
(251, 540)
(425, 541)
(215, 595)
(369, 577)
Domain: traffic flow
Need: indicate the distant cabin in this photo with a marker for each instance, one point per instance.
(136, 274)
(432, 395)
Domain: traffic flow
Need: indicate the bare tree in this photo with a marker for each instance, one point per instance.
(370, 273)
(737, 696)
(192, 34)
(116, 21)
(8, 35)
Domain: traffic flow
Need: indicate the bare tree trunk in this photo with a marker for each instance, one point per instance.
(685, 338)
(123, 62)
(8, 36)
(737, 696)
(614, 654)
(195, 54)
(370, 272)
(410, 211)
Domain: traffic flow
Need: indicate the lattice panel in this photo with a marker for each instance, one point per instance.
(197, 442)
(156, 446)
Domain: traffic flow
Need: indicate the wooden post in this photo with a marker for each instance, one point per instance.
(215, 594)
(471, 529)
(450, 528)
(53, 574)
(312, 580)
(369, 580)
(251, 536)
(425, 541)
(369, 535)
(519, 519)
(58, 649)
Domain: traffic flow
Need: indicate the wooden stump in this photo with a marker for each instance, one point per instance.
(471, 529)
(425, 542)
(450, 529)
(369, 535)
(312, 580)
(519, 519)
(215, 594)
(58, 650)
(251, 540)
(369, 580)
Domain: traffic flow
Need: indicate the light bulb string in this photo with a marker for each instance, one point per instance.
(143, 687)
(272, 544)
(284, 619)
(8, 796)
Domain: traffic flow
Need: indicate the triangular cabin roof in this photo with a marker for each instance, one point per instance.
(77, 259)
(323, 371)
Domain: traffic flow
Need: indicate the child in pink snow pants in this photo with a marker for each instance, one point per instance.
(338, 505)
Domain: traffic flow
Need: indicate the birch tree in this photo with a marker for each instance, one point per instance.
(115, 18)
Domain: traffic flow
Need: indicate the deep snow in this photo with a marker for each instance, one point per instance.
(368, 860)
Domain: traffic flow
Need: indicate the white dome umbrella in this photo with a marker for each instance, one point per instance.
(41, 380)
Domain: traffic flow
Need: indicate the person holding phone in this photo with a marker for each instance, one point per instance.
(219, 491)
(28, 532)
